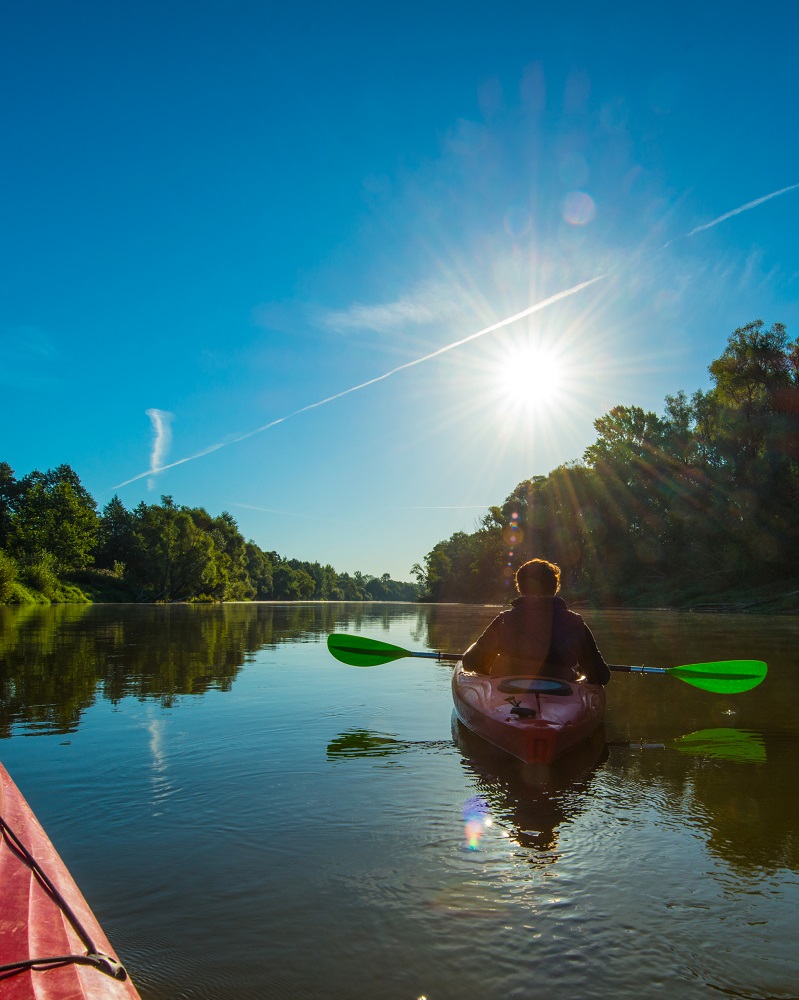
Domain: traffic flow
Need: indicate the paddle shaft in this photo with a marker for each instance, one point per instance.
(621, 667)
(454, 657)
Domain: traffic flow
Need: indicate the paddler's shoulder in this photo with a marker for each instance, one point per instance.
(561, 609)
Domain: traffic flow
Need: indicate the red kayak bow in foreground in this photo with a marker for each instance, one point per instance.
(51, 945)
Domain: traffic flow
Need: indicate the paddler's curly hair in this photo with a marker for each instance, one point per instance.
(538, 578)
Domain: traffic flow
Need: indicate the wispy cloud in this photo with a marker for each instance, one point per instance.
(291, 513)
(427, 304)
(449, 506)
(28, 358)
(162, 438)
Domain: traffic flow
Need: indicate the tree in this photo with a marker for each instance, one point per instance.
(259, 570)
(54, 514)
(755, 365)
(173, 559)
(292, 584)
(9, 492)
(116, 535)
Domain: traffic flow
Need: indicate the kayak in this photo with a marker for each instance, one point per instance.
(51, 945)
(535, 719)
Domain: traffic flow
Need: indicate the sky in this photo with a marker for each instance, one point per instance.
(351, 272)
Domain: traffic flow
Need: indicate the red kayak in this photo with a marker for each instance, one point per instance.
(536, 719)
(51, 945)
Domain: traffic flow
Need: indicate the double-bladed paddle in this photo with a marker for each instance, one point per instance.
(720, 677)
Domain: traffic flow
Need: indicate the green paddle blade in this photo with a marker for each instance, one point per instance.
(723, 676)
(358, 651)
(740, 745)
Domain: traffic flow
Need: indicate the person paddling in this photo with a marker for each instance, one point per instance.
(538, 635)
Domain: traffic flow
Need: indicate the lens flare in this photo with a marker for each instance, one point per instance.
(477, 818)
(578, 208)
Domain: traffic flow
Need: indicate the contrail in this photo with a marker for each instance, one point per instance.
(543, 304)
(735, 211)
(162, 436)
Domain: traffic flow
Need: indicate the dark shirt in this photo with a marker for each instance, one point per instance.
(538, 635)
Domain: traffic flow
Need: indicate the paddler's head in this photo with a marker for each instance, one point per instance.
(538, 578)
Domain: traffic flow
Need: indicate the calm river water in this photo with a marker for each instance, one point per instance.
(251, 819)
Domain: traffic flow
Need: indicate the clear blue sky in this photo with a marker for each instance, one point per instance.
(215, 215)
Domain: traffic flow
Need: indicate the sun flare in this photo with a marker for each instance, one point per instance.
(532, 377)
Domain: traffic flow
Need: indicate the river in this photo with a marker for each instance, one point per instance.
(251, 819)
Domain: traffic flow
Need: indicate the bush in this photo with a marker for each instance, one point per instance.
(8, 575)
(69, 593)
(20, 594)
(40, 574)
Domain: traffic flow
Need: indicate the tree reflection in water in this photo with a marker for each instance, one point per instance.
(56, 661)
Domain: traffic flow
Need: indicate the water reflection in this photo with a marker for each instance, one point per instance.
(532, 801)
(747, 816)
(365, 743)
(719, 744)
(56, 661)
(724, 744)
(328, 804)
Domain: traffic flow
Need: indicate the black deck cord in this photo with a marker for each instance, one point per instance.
(104, 963)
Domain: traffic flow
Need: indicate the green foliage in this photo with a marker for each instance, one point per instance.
(159, 552)
(662, 508)
(20, 594)
(383, 588)
(292, 584)
(259, 571)
(116, 536)
(50, 512)
(40, 574)
(8, 576)
(9, 492)
(171, 558)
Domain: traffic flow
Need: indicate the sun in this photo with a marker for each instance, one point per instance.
(531, 377)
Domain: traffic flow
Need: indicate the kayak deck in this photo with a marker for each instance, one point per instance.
(51, 945)
(536, 719)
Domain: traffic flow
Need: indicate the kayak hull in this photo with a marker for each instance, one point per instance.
(35, 925)
(537, 720)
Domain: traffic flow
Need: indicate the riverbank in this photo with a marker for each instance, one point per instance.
(95, 586)
(776, 598)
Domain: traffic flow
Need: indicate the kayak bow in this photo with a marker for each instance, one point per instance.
(51, 945)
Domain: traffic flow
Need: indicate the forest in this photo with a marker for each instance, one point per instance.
(56, 548)
(696, 507)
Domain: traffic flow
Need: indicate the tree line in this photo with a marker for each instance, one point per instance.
(55, 546)
(668, 508)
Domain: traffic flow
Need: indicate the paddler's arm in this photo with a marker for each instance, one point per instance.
(481, 654)
(592, 663)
